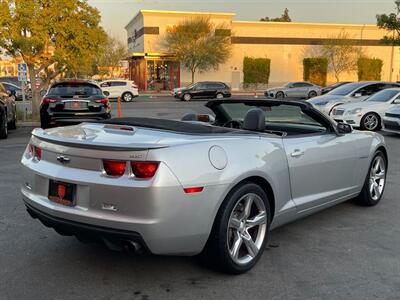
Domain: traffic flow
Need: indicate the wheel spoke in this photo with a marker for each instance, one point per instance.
(260, 219)
(376, 190)
(247, 206)
(236, 246)
(380, 175)
(371, 186)
(234, 223)
(250, 245)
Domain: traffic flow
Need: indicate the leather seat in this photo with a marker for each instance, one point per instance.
(254, 120)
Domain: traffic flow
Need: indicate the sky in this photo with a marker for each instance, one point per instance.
(117, 13)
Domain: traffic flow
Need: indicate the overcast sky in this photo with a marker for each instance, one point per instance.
(117, 13)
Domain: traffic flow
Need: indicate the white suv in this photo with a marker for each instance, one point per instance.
(125, 89)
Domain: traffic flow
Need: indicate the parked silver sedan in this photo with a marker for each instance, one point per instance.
(351, 92)
(189, 187)
(294, 90)
(391, 120)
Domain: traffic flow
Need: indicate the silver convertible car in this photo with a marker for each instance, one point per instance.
(194, 187)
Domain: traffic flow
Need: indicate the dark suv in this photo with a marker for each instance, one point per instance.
(204, 89)
(72, 102)
(8, 112)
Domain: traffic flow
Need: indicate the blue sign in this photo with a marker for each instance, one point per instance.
(22, 68)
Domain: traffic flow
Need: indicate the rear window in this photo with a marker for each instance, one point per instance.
(75, 89)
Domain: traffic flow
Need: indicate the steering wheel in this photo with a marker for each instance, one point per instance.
(234, 124)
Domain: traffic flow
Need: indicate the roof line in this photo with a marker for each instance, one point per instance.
(304, 23)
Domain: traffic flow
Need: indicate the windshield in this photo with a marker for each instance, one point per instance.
(288, 114)
(383, 96)
(75, 89)
(346, 89)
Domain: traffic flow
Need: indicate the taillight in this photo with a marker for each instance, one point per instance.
(114, 168)
(103, 101)
(192, 190)
(48, 100)
(144, 170)
(35, 152)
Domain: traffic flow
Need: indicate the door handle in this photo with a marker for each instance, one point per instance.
(297, 153)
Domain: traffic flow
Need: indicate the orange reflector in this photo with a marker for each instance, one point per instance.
(193, 190)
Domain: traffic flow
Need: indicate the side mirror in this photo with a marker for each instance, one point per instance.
(106, 93)
(396, 101)
(344, 128)
(43, 93)
(357, 95)
(10, 93)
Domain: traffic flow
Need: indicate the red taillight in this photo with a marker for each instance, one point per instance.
(192, 190)
(114, 167)
(48, 100)
(144, 170)
(103, 101)
(35, 152)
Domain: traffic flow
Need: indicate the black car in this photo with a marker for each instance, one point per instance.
(73, 102)
(14, 90)
(331, 87)
(204, 89)
(8, 112)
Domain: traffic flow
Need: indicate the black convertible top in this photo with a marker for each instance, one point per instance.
(170, 125)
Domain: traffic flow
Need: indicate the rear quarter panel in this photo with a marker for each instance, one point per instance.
(247, 157)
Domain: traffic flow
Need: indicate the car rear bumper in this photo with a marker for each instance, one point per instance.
(168, 220)
(114, 239)
(78, 117)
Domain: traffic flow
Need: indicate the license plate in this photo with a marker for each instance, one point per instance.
(75, 105)
(62, 193)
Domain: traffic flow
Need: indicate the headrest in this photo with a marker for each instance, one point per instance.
(254, 120)
(189, 117)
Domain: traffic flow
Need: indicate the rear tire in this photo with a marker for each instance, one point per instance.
(375, 182)
(219, 96)
(3, 126)
(233, 246)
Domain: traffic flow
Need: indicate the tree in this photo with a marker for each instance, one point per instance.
(198, 44)
(283, 18)
(114, 53)
(391, 23)
(51, 36)
(341, 53)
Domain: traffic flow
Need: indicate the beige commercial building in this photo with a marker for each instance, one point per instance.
(286, 44)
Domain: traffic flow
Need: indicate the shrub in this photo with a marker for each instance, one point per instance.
(315, 70)
(256, 70)
(369, 69)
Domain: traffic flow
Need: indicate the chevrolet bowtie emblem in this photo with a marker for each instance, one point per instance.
(62, 159)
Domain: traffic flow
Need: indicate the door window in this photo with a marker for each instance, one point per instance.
(105, 84)
(118, 83)
(370, 89)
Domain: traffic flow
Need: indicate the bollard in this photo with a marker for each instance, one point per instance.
(119, 108)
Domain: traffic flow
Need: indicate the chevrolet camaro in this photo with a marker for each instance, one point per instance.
(213, 185)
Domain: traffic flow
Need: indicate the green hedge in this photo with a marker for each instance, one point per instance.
(369, 69)
(315, 70)
(256, 70)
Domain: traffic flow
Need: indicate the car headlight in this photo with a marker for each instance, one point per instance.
(353, 111)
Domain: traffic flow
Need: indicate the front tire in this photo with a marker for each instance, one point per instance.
(280, 95)
(371, 122)
(312, 94)
(375, 182)
(240, 230)
(186, 97)
(127, 97)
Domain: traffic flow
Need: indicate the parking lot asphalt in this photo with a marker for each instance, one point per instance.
(345, 252)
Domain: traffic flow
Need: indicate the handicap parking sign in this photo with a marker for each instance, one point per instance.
(22, 68)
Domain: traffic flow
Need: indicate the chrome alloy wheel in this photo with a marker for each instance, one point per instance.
(377, 178)
(246, 229)
(371, 122)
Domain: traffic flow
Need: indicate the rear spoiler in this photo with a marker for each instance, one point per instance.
(87, 143)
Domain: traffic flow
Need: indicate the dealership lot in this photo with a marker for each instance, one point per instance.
(346, 252)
